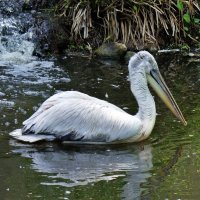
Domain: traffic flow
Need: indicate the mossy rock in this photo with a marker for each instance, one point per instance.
(128, 55)
(111, 50)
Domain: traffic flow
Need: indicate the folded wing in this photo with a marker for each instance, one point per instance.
(73, 116)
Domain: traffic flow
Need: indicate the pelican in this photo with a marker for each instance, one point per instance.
(76, 117)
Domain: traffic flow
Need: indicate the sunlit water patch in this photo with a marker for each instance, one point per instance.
(20, 83)
(25, 78)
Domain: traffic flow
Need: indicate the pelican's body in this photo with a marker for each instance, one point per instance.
(76, 117)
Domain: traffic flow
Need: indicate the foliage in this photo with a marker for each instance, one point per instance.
(133, 22)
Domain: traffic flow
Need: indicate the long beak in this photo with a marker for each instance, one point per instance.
(158, 84)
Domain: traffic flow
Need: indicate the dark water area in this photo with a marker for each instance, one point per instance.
(165, 166)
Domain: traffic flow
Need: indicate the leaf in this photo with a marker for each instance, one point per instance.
(196, 20)
(180, 5)
(186, 28)
(135, 8)
(186, 17)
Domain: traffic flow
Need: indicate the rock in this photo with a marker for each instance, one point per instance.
(10, 7)
(152, 47)
(112, 50)
(128, 55)
(2, 94)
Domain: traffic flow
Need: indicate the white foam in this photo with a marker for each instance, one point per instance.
(23, 54)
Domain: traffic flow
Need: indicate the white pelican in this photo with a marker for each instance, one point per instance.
(72, 116)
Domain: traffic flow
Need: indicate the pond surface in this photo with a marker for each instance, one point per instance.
(166, 166)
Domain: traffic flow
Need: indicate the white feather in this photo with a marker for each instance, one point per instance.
(32, 138)
(86, 117)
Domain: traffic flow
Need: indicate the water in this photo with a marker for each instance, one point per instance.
(166, 166)
(16, 32)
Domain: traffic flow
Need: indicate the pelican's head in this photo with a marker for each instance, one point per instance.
(144, 61)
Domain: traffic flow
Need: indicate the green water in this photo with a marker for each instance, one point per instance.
(166, 166)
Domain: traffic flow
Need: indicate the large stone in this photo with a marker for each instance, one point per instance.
(111, 50)
(128, 55)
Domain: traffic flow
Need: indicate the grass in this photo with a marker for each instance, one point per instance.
(132, 22)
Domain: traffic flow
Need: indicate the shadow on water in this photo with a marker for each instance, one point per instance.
(165, 166)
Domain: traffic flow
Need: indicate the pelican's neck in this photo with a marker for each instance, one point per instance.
(146, 103)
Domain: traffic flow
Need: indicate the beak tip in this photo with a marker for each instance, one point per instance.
(185, 123)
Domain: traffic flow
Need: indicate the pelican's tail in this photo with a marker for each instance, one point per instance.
(31, 138)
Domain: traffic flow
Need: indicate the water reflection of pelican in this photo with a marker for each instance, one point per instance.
(82, 165)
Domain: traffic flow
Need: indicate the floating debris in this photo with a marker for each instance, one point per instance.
(6, 103)
(106, 95)
(65, 80)
(168, 50)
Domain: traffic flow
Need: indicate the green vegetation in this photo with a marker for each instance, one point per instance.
(133, 22)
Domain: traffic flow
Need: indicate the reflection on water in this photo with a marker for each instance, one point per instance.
(82, 165)
(167, 167)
